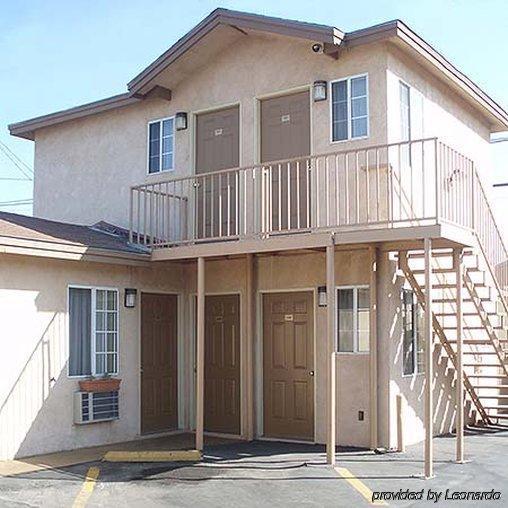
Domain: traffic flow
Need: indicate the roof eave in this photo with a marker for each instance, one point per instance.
(313, 32)
(27, 128)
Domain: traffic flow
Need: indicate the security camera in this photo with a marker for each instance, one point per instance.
(317, 48)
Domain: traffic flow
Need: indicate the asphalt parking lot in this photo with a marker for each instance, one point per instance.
(270, 474)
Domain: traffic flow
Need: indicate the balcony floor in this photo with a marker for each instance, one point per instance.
(443, 234)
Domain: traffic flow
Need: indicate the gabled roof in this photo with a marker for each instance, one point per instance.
(333, 39)
(240, 20)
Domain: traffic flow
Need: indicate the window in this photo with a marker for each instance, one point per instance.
(353, 307)
(93, 331)
(405, 112)
(412, 325)
(350, 116)
(161, 145)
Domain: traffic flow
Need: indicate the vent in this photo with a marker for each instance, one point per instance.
(95, 407)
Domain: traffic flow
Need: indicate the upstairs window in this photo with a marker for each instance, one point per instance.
(93, 331)
(405, 112)
(353, 307)
(412, 326)
(161, 145)
(350, 108)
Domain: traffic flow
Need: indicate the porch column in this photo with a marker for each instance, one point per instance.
(249, 345)
(459, 390)
(200, 355)
(373, 345)
(429, 348)
(330, 353)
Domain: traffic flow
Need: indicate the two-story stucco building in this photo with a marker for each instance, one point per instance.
(278, 232)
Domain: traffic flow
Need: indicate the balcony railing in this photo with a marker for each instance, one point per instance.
(412, 183)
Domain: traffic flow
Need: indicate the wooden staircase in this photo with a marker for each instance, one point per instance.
(485, 335)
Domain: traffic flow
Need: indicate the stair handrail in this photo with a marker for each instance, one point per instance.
(488, 209)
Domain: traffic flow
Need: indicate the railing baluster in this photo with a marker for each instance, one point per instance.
(298, 225)
(378, 186)
(288, 196)
(346, 160)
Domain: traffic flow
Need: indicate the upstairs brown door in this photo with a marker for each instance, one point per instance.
(285, 134)
(217, 148)
(222, 364)
(288, 365)
(159, 376)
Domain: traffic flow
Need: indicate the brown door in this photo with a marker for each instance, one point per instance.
(159, 394)
(285, 134)
(222, 364)
(288, 365)
(217, 148)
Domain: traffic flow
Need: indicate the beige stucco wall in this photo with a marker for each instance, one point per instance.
(36, 413)
(85, 167)
(305, 272)
(411, 387)
(445, 114)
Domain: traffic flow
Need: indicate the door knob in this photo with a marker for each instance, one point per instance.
(311, 373)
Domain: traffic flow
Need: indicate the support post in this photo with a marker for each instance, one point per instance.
(401, 445)
(249, 346)
(373, 346)
(330, 311)
(429, 349)
(200, 355)
(459, 390)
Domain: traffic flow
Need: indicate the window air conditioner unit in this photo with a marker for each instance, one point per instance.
(91, 407)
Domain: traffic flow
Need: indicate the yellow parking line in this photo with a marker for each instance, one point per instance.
(87, 488)
(358, 485)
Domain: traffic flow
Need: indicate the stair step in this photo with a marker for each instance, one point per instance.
(493, 396)
(464, 313)
(473, 342)
(438, 254)
(453, 286)
(486, 376)
(453, 300)
(445, 270)
(479, 353)
(496, 407)
(490, 387)
(482, 364)
(504, 417)
(464, 327)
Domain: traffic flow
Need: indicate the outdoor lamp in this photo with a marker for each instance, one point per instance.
(319, 91)
(181, 121)
(130, 297)
(322, 296)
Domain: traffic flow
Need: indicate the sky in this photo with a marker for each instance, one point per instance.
(56, 54)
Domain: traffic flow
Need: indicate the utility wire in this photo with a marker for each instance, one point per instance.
(23, 167)
(17, 202)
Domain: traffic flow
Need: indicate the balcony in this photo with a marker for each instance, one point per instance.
(386, 187)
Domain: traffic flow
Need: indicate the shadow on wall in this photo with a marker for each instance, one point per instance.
(30, 398)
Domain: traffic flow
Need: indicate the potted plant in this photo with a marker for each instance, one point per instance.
(104, 383)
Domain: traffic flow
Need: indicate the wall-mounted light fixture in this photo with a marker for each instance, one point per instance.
(319, 89)
(181, 121)
(130, 297)
(322, 296)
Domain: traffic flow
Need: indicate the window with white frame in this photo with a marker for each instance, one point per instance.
(350, 108)
(353, 309)
(161, 145)
(93, 331)
(412, 340)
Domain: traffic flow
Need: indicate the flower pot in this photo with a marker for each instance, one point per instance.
(99, 385)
